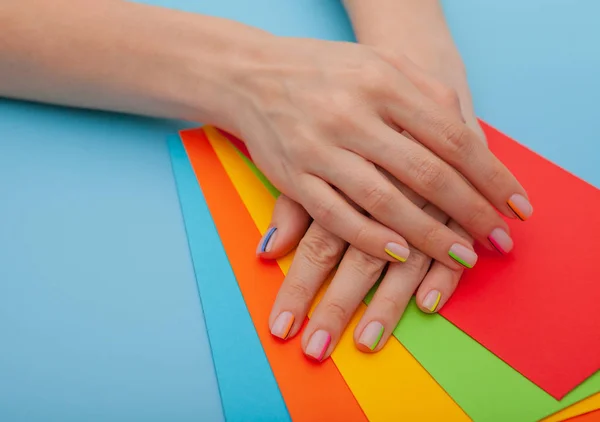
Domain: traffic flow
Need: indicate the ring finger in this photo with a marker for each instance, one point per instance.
(393, 295)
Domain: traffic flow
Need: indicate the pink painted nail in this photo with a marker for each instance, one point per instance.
(318, 344)
(501, 240)
(282, 325)
(463, 255)
(520, 206)
(371, 335)
(266, 243)
(396, 251)
(432, 300)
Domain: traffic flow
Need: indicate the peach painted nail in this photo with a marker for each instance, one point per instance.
(520, 206)
(282, 325)
(266, 243)
(318, 344)
(432, 300)
(396, 251)
(371, 335)
(501, 241)
(463, 255)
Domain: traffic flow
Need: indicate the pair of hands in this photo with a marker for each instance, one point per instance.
(389, 162)
(327, 119)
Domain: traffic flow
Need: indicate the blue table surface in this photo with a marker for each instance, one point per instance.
(99, 311)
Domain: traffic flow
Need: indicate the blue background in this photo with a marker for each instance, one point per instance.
(99, 312)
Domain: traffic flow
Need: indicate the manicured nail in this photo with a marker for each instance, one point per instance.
(432, 300)
(463, 255)
(318, 344)
(397, 251)
(501, 241)
(266, 243)
(520, 206)
(282, 325)
(371, 335)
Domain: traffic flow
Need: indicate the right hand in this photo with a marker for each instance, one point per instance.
(320, 117)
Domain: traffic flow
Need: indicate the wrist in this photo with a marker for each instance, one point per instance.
(197, 63)
(416, 28)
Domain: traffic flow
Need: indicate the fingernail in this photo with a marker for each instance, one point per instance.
(371, 335)
(266, 243)
(432, 300)
(463, 255)
(318, 344)
(501, 241)
(520, 206)
(282, 325)
(397, 251)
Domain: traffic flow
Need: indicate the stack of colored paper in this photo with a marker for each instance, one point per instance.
(518, 341)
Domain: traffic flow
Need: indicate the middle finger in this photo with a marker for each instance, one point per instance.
(356, 274)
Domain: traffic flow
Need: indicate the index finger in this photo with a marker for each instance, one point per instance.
(449, 137)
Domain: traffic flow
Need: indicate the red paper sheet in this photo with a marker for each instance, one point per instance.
(537, 309)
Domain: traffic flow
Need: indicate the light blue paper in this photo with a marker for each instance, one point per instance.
(99, 312)
(248, 388)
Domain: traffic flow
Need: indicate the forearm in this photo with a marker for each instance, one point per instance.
(418, 29)
(120, 56)
(383, 22)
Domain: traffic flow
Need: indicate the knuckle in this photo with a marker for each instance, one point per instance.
(298, 292)
(447, 97)
(477, 215)
(378, 198)
(337, 112)
(456, 139)
(416, 263)
(430, 239)
(337, 311)
(368, 266)
(320, 251)
(375, 74)
(431, 175)
(323, 212)
(391, 305)
(362, 235)
(493, 176)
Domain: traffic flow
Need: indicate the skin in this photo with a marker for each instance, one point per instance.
(325, 121)
(399, 25)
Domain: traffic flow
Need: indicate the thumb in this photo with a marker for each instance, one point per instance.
(289, 223)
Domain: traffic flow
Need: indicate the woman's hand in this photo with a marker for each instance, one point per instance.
(322, 117)
(320, 251)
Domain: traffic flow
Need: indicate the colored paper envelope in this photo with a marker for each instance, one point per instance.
(544, 300)
(485, 386)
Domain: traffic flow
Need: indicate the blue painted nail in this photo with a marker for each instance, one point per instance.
(267, 241)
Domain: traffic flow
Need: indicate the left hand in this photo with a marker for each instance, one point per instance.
(319, 252)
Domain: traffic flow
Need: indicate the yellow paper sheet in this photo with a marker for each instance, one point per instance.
(584, 406)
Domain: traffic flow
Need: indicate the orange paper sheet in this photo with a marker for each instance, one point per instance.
(587, 417)
(311, 392)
